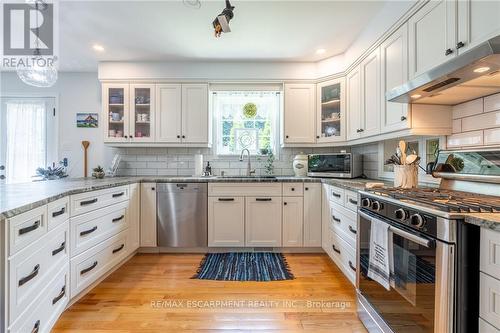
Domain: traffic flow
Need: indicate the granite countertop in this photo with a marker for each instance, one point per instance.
(19, 198)
(485, 220)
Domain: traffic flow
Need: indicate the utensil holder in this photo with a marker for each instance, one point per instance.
(405, 176)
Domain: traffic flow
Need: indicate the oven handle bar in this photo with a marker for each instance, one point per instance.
(405, 234)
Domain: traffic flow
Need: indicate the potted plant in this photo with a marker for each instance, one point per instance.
(98, 172)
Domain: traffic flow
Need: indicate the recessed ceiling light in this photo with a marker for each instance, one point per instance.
(98, 47)
(320, 51)
(416, 96)
(481, 69)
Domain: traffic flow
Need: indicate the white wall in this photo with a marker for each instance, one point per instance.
(75, 92)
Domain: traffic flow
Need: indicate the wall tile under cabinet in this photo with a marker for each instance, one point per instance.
(474, 138)
(468, 108)
(492, 103)
(492, 136)
(483, 121)
(457, 126)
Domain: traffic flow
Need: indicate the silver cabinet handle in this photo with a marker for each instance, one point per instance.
(61, 295)
(30, 276)
(88, 202)
(117, 219)
(336, 219)
(36, 327)
(86, 232)
(119, 248)
(35, 226)
(60, 212)
(88, 269)
(59, 249)
(263, 199)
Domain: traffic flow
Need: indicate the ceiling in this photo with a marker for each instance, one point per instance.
(174, 31)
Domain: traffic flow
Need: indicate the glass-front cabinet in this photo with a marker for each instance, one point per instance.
(115, 116)
(331, 111)
(142, 112)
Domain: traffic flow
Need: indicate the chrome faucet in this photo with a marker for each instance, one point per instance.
(249, 166)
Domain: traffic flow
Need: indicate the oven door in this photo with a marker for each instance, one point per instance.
(420, 298)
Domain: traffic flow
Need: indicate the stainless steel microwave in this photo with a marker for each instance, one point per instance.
(335, 165)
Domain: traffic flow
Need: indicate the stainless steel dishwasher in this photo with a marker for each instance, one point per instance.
(182, 214)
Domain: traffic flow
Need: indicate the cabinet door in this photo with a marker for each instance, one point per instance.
(148, 215)
(195, 120)
(312, 214)
(432, 36)
(142, 112)
(226, 221)
(354, 104)
(394, 72)
(331, 111)
(115, 115)
(299, 117)
(293, 221)
(168, 113)
(134, 216)
(478, 20)
(263, 221)
(370, 94)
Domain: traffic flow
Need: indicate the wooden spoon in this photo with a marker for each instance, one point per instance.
(85, 145)
(411, 159)
(402, 147)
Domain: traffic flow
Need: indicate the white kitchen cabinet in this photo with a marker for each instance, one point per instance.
(195, 115)
(293, 221)
(226, 221)
(148, 215)
(478, 20)
(432, 36)
(370, 95)
(312, 215)
(394, 72)
(353, 83)
(115, 114)
(134, 216)
(168, 113)
(299, 114)
(142, 113)
(263, 221)
(331, 115)
(489, 295)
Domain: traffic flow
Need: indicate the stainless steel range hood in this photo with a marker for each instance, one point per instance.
(473, 74)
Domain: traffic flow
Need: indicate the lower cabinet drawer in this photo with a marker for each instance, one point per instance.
(31, 269)
(26, 228)
(90, 229)
(489, 299)
(351, 200)
(44, 311)
(343, 255)
(92, 264)
(485, 327)
(336, 194)
(86, 202)
(344, 222)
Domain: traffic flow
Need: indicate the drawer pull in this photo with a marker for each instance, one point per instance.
(61, 295)
(88, 202)
(60, 212)
(335, 249)
(352, 266)
(336, 195)
(293, 189)
(117, 195)
(59, 249)
(226, 199)
(35, 226)
(352, 230)
(36, 328)
(118, 219)
(119, 249)
(88, 269)
(354, 202)
(86, 232)
(336, 219)
(28, 278)
(264, 199)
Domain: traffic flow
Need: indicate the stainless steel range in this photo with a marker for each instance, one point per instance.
(434, 275)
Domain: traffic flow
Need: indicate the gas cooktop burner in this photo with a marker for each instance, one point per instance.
(444, 200)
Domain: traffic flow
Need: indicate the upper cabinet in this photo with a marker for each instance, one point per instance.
(353, 83)
(432, 36)
(331, 119)
(394, 72)
(478, 20)
(142, 113)
(195, 120)
(299, 114)
(116, 109)
(370, 95)
(169, 111)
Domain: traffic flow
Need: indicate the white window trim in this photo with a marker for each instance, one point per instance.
(215, 123)
(422, 176)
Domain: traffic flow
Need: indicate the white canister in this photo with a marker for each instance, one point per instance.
(300, 165)
(406, 176)
(198, 165)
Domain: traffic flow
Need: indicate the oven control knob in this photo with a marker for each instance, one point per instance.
(365, 202)
(401, 214)
(417, 220)
(377, 206)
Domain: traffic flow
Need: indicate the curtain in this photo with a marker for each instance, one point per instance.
(26, 132)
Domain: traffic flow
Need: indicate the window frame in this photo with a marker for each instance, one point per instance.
(216, 126)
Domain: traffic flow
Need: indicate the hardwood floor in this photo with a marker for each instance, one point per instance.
(154, 293)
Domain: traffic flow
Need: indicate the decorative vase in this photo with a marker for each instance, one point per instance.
(300, 165)
(98, 175)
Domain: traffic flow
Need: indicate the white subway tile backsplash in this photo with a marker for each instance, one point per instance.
(465, 139)
(492, 136)
(492, 103)
(457, 126)
(482, 121)
(468, 108)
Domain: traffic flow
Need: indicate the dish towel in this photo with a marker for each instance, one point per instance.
(379, 262)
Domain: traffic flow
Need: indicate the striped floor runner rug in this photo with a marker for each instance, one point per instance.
(244, 267)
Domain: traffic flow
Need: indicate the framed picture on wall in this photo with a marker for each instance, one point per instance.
(87, 120)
